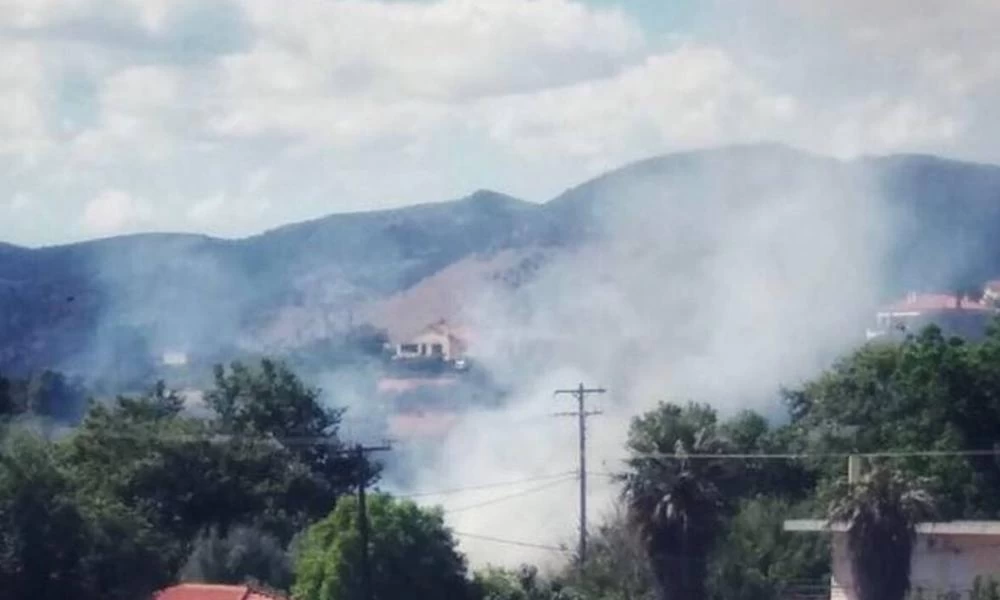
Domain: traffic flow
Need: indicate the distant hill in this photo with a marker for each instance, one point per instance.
(97, 305)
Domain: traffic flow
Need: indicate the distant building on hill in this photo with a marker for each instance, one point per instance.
(440, 341)
(991, 292)
(954, 314)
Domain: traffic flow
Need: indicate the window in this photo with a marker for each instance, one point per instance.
(437, 349)
(408, 348)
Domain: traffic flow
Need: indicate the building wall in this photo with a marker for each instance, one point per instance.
(425, 343)
(941, 565)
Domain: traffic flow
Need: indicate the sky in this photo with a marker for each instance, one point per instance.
(229, 117)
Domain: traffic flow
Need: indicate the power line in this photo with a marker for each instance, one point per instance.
(488, 538)
(484, 486)
(805, 455)
(499, 499)
(581, 414)
(290, 441)
(362, 452)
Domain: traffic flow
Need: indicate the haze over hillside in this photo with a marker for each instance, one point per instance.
(83, 306)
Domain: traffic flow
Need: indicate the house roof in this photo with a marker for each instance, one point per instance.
(209, 591)
(941, 528)
(917, 303)
(442, 327)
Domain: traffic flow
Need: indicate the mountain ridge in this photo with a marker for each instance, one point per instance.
(164, 291)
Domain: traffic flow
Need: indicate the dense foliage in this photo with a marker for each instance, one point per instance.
(121, 502)
(411, 552)
(143, 492)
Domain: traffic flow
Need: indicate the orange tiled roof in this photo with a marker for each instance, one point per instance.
(208, 591)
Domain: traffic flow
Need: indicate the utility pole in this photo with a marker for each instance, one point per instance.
(361, 452)
(581, 414)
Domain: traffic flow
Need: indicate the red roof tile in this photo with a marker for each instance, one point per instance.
(208, 591)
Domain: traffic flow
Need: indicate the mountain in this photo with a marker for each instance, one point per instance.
(96, 305)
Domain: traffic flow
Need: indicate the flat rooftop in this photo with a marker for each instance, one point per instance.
(939, 528)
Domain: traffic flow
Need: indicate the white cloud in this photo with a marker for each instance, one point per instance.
(449, 49)
(23, 122)
(692, 96)
(353, 72)
(348, 104)
(114, 211)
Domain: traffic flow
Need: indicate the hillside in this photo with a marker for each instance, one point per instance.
(87, 306)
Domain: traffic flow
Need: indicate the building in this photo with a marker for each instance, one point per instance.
(211, 591)
(991, 292)
(439, 341)
(954, 314)
(947, 557)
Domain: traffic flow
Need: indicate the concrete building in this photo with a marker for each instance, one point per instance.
(437, 341)
(947, 557)
(953, 314)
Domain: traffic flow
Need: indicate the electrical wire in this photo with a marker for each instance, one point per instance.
(489, 538)
(805, 455)
(484, 486)
(499, 499)
(337, 441)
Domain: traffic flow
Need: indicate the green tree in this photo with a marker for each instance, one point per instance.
(757, 560)
(413, 554)
(55, 543)
(243, 555)
(880, 512)
(42, 531)
(7, 406)
(271, 402)
(925, 393)
(616, 567)
(676, 503)
(524, 583)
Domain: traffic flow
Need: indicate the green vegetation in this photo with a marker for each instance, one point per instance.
(412, 554)
(141, 493)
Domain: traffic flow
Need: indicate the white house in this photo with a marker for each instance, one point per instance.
(439, 340)
(947, 557)
(954, 314)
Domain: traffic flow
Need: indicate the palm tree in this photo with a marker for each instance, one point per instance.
(881, 512)
(675, 505)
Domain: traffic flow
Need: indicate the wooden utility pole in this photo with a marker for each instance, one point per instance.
(361, 452)
(581, 413)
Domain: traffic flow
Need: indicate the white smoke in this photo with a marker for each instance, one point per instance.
(747, 270)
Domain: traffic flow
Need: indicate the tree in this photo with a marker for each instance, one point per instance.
(616, 567)
(524, 583)
(243, 555)
(42, 531)
(925, 393)
(676, 503)
(880, 513)
(270, 403)
(56, 543)
(413, 554)
(7, 407)
(757, 560)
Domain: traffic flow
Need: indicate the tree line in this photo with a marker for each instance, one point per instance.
(142, 494)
